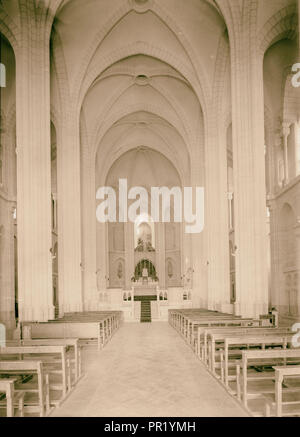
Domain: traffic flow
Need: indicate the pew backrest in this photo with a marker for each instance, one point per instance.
(64, 330)
(69, 342)
(281, 373)
(261, 341)
(44, 354)
(25, 366)
(217, 335)
(7, 387)
(269, 357)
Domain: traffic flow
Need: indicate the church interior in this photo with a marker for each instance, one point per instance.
(160, 93)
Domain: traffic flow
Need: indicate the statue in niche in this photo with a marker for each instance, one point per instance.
(98, 279)
(149, 247)
(120, 270)
(140, 246)
(144, 235)
(170, 269)
(188, 278)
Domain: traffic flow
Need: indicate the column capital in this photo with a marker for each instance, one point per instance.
(241, 20)
(38, 16)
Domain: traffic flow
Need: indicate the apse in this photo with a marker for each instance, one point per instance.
(130, 244)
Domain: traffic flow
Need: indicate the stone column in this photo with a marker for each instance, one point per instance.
(160, 248)
(275, 231)
(71, 266)
(89, 236)
(299, 28)
(297, 139)
(7, 282)
(129, 253)
(196, 244)
(186, 255)
(69, 218)
(102, 256)
(286, 132)
(297, 233)
(248, 157)
(34, 165)
(216, 215)
(230, 209)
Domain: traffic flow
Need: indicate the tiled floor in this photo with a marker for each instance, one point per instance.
(147, 370)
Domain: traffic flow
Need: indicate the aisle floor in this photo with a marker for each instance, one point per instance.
(146, 370)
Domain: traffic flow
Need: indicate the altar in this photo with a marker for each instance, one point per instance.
(145, 290)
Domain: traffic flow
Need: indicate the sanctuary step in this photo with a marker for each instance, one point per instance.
(56, 312)
(145, 307)
(145, 311)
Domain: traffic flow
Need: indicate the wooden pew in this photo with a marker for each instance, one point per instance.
(189, 322)
(49, 355)
(72, 345)
(106, 325)
(35, 368)
(110, 320)
(11, 398)
(227, 321)
(69, 330)
(263, 382)
(84, 326)
(176, 316)
(282, 374)
(214, 339)
(259, 341)
(204, 333)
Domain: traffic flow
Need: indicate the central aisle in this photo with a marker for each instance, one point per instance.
(146, 370)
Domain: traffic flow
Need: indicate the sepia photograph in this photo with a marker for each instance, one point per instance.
(149, 212)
